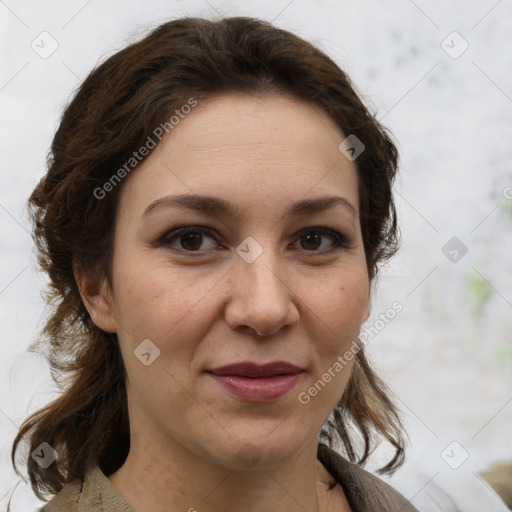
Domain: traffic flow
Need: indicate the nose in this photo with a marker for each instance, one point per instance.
(261, 301)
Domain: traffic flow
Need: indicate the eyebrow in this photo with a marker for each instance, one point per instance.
(217, 206)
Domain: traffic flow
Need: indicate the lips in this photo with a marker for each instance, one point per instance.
(251, 382)
(254, 371)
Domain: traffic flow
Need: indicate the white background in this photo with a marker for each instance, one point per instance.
(448, 354)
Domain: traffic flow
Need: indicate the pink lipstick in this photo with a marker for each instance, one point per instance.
(257, 383)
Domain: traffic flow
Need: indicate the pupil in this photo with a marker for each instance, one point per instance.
(193, 238)
(309, 239)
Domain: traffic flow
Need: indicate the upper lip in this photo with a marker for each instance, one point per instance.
(249, 369)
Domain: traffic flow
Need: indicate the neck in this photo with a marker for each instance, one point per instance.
(149, 481)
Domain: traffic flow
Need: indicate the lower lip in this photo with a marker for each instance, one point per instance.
(264, 389)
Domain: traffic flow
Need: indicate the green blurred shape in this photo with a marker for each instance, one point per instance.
(479, 292)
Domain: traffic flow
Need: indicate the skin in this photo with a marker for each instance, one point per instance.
(308, 299)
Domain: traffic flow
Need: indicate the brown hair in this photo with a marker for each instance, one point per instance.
(113, 113)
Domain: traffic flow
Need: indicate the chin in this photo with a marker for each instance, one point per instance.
(259, 451)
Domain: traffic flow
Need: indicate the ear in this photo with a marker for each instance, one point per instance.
(97, 299)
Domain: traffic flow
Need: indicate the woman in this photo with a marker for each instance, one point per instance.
(217, 205)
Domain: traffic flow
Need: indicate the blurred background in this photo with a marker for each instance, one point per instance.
(438, 75)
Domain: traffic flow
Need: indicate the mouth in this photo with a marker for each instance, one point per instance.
(251, 382)
(255, 371)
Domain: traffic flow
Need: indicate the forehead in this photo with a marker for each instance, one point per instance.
(240, 123)
(266, 148)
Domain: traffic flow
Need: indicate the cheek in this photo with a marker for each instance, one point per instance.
(151, 300)
(170, 307)
(155, 305)
(342, 303)
(139, 306)
(338, 314)
(340, 310)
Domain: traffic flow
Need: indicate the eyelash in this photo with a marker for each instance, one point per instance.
(339, 241)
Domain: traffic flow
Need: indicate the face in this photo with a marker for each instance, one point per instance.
(200, 282)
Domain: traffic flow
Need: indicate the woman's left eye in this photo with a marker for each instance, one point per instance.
(191, 239)
(313, 239)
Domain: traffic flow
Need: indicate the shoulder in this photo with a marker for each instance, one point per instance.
(66, 500)
(95, 493)
(363, 490)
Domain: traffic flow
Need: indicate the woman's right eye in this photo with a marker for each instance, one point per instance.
(188, 239)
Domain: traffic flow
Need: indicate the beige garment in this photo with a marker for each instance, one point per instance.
(364, 491)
